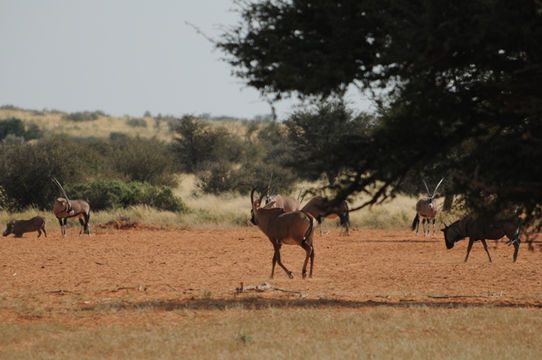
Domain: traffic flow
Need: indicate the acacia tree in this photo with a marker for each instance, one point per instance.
(456, 84)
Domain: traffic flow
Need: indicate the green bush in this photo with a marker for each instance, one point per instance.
(104, 194)
(135, 122)
(84, 116)
(16, 128)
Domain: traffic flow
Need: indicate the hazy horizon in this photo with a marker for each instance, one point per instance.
(123, 58)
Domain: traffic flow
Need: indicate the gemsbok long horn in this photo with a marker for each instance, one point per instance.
(436, 188)
(61, 189)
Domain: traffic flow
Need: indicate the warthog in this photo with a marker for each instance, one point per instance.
(19, 227)
(482, 228)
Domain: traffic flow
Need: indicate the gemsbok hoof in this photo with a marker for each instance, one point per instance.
(290, 275)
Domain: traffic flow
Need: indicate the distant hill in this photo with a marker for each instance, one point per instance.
(97, 124)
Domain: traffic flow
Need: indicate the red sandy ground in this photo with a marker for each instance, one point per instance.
(66, 276)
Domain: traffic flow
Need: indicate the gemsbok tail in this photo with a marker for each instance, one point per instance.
(415, 222)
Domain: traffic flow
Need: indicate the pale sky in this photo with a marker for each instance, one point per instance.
(123, 57)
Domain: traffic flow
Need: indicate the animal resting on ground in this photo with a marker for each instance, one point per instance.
(67, 209)
(482, 228)
(320, 208)
(19, 227)
(284, 228)
(426, 209)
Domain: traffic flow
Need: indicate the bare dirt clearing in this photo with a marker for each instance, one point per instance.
(66, 278)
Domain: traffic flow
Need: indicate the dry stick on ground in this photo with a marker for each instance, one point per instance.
(263, 287)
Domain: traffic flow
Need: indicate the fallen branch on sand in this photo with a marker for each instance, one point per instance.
(263, 287)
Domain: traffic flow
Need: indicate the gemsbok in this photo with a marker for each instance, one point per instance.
(284, 228)
(426, 208)
(289, 204)
(320, 208)
(65, 209)
(482, 228)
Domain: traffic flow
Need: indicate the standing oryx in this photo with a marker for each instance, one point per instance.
(482, 228)
(65, 209)
(287, 203)
(321, 208)
(426, 209)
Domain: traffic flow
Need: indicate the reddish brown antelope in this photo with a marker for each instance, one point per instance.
(19, 227)
(284, 228)
(426, 209)
(482, 228)
(321, 208)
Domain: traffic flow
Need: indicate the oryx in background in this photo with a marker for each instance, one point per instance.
(426, 208)
(289, 204)
(65, 209)
(320, 208)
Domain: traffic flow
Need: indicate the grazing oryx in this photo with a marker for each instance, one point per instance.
(65, 209)
(284, 228)
(482, 228)
(19, 227)
(427, 209)
(287, 203)
(321, 208)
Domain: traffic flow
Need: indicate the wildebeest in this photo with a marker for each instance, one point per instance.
(284, 228)
(426, 208)
(19, 227)
(67, 209)
(320, 208)
(482, 228)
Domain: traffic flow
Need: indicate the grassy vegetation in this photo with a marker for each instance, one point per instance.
(284, 332)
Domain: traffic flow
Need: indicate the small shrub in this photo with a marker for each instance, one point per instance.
(84, 116)
(136, 122)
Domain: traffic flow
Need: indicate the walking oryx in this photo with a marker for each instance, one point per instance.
(284, 228)
(321, 208)
(482, 228)
(426, 208)
(65, 209)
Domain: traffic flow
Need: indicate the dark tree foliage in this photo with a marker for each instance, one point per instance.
(26, 171)
(457, 85)
(314, 132)
(199, 144)
(16, 127)
(143, 160)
